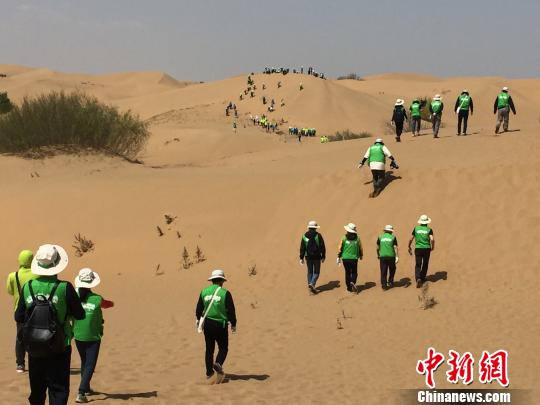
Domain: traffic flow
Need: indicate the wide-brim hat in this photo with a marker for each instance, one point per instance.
(399, 102)
(217, 275)
(313, 225)
(424, 219)
(87, 278)
(505, 88)
(350, 227)
(465, 91)
(49, 260)
(389, 228)
(437, 97)
(379, 140)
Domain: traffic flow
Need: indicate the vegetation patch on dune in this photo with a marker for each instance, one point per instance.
(70, 122)
(351, 76)
(348, 135)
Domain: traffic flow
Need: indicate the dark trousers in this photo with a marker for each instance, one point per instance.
(415, 124)
(89, 352)
(463, 117)
(388, 270)
(50, 373)
(378, 179)
(313, 271)
(19, 347)
(399, 128)
(351, 272)
(422, 263)
(215, 332)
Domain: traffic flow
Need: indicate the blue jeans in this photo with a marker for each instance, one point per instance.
(89, 352)
(313, 271)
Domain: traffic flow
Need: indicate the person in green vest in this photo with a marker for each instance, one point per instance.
(416, 116)
(15, 283)
(387, 253)
(88, 332)
(349, 252)
(435, 109)
(376, 156)
(464, 105)
(422, 234)
(214, 311)
(503, 105)
(52, 372)
(313, 250)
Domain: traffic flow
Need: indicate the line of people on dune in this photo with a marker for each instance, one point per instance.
(463, 107)
(282, 70)
(264, 122)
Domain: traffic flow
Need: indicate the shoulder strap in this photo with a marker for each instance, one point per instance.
(53, 291)
(31, 290)
(211, 302)
(18, 282)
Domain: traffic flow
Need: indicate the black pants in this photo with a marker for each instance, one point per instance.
(50, 373)
(351, 272)
(19, 347)
(378, 179)
(89, 352)
(215, 332)
(388, 270)
(399, 128)
(422, 263)
(415, 124)
(463, 116)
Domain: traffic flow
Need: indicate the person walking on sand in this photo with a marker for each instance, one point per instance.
(313, 250)
(503, 105)
(398, 118)
(47, 303)
(214, 311)
(349, 252)
(387, 253)
(464, 104)
(435, 109)
(376, 156)
(422, 234)
(88, 332)
(416, 116)
(15, 283)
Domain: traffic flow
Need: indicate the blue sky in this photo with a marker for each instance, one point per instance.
(214, 39)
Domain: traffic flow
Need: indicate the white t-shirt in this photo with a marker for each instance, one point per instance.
(378, 165)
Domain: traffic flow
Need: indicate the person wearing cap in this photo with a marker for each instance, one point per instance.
(376, 156)
(399, 116)
(51, 373)
(502, 106)
(422, 234)
(416, 116)
(435, 109)
(464, 104)
(15, 283)
(313, 250)
(88, 332)
(215, 310)
(349, 252)
(387, 253)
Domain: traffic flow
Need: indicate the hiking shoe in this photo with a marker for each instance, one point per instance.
(312, 288)
(218, 368)
(81, 399)
(418, 283)
(391, 285)
(353, 287)
(20, 368)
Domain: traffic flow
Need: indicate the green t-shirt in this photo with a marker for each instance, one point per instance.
(25, 275)
(421, 235)
(90, 329)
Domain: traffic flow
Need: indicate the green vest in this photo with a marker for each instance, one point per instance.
(25, 275)
(464, 102)
(218, 310)
(436, 106)
(306, 240)
(376, 154)
(386, 245)
(421, 236)
(90, 329)
(350, 248)
(502, 100)
(43, 286)
(415, 109)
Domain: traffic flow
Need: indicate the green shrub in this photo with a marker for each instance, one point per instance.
(70, 122)
(350, 76)
(347, 135)
(5, 103)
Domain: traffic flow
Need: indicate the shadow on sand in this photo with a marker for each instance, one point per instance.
(440, 275)
(125, 397)
(245, 377)
(364, 287)
(328, 286)
(404, 282)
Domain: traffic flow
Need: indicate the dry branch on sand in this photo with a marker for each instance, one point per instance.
(169, 219)
(82, 245)
(199, 255)
(426, 301)
(186, 261)
(252, 270)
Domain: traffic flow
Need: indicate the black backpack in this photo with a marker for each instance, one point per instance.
(312, 246)
(42, 333)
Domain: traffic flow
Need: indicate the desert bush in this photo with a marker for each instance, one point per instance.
(82, 245)
(5, 103)
(71, 122)
(347, 135)
(426, 301)
(186, 261)
(350, 76)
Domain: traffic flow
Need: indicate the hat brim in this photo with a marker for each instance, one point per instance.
(349, 229)
(388, 230)
(428, 221)
(51, 271)
(217, 278)
(82, 284)
(313, 227)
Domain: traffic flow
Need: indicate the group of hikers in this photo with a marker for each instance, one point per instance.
(231, 106)
(49, 314)
(310, 71)
(350, 251)
(463, 107)
(264, 122)
(300, 132)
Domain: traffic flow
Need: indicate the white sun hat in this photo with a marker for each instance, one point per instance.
(313, 225)
(505, 88)
(87, 279)
(399, 101)
(217, 274)
(350, 227)
(389, 228)
(437, 97)
(49, 260)
(465, 91)
(379, 140)
(424, 219)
